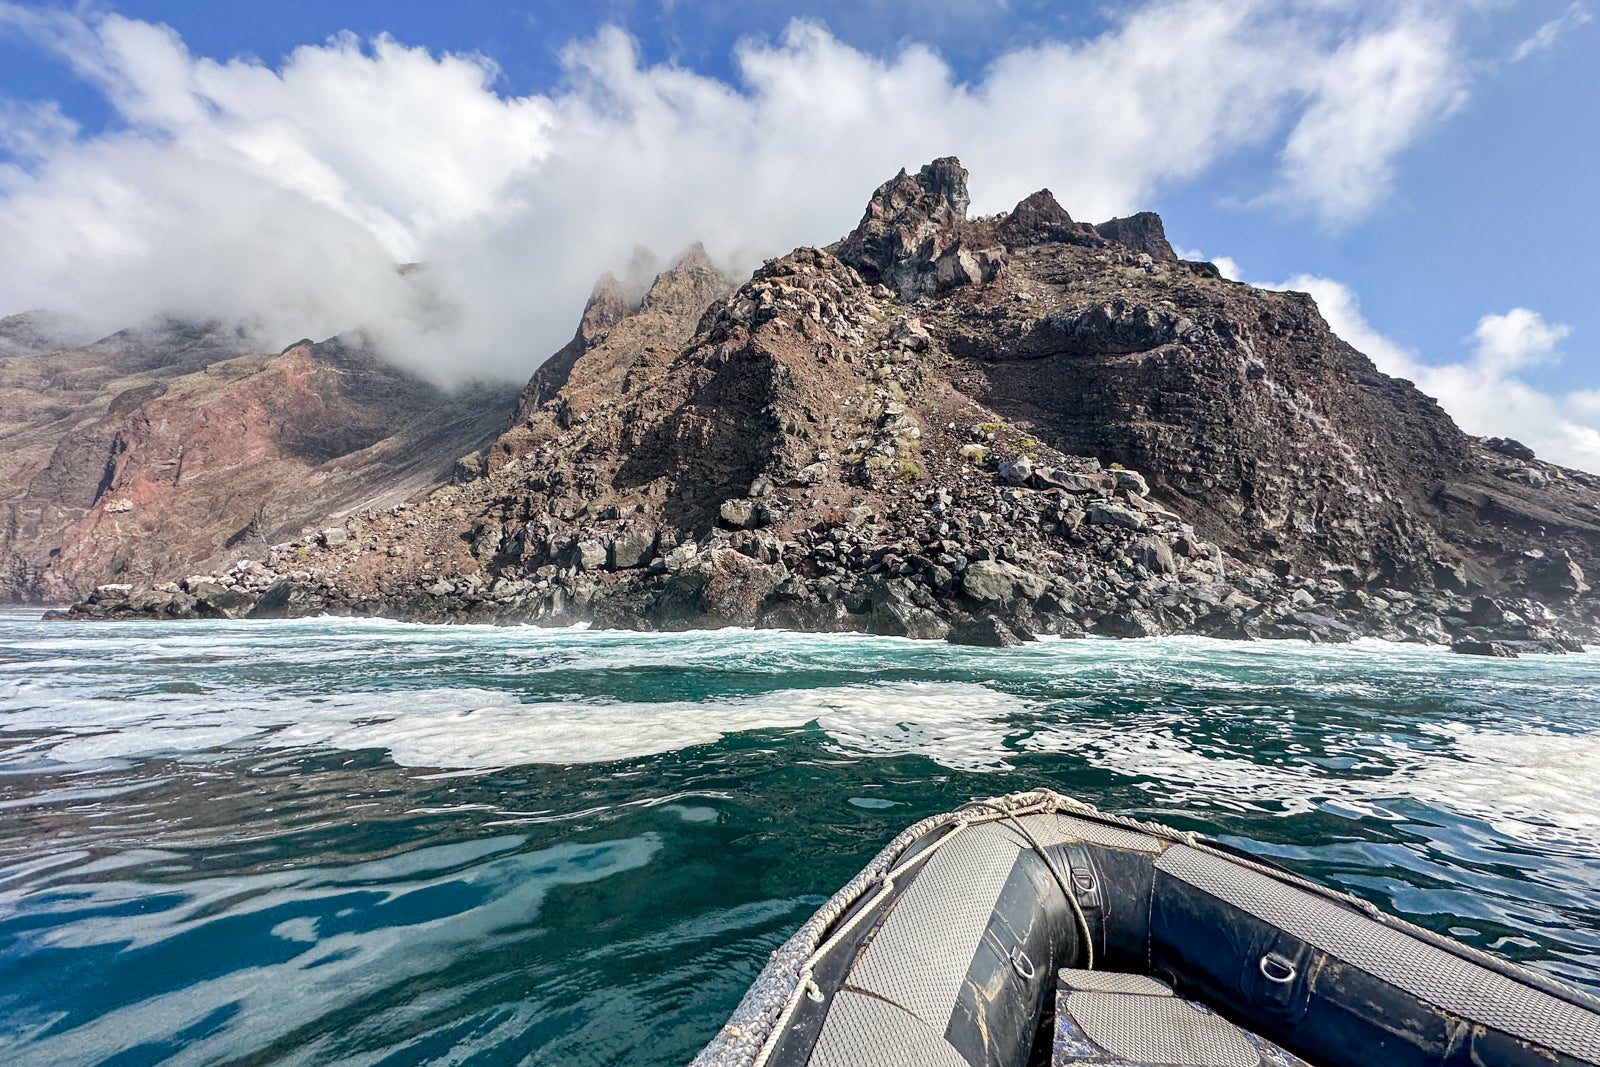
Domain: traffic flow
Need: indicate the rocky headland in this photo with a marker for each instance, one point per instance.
(973, 429)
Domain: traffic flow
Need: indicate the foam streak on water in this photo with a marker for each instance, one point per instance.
(365, 842)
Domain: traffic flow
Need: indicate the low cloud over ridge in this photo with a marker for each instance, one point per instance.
(288, 193)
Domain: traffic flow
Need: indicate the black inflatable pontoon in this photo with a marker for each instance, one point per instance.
(1033, 929)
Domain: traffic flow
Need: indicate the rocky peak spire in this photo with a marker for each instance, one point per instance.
(691, 283)
(1036, 219)
(912, 226)
(1142, 233)
(946, 179)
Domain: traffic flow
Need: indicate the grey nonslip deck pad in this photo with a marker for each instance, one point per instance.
(1430, 974)
(920, 957)
(1107, 1019)
(918, 960)
(864, 1031)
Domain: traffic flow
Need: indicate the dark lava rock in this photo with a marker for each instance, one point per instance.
(1142, 233)
(985, 631)
(1484, 648)
(1486, 611)
(1020, 418)
(1509, 446)
(1133, 623)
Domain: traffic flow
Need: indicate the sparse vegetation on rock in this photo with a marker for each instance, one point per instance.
(977, 430)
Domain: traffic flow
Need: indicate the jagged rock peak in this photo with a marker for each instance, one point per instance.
(938, 193)
(903, 211)
(691, 283)
(1142, 232)
(1037, 218)
(694, 258)
(608, 303)
(946, 178)
(914, 235)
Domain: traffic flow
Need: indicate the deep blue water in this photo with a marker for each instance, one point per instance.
(370, 843)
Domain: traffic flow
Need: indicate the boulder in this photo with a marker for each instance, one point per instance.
(632, 548)
(334, 536)
(1486, 611)
(1558, 576)
(811, 474)
(1102, 513)
(1016, 471)
(736, 586)
(589, 555)
(1072, 481)
(1510, 446)
(993, 581)
(909, 334)
(1134, 622)
(1322, 627)
(1131, 482)
(486, 539)
(1483, 648)
(1156, 555)
(738, 514)
(892, 618)
(984, 631)
(989, 581)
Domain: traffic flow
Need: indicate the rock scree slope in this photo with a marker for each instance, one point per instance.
(975, 429)
(166, 450)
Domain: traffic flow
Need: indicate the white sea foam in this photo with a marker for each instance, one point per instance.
(958, 725)
(1542, 784)
(1527, 781)
(1219, 722)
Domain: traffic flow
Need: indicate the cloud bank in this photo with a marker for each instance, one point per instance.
(288, 194)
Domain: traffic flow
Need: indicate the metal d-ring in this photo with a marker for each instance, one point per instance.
(1022, 964)
(1277, 969)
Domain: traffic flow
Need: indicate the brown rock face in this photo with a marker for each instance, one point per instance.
(941, 420)
(163, 452)
(1142, 233)
(915, 237)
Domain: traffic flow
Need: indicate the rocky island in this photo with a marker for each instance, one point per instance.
(973, 429)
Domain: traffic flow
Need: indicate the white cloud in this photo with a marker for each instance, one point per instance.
(1485, 394)
(1545, 36)
(1520, 338)
(290, 193)
(33, 129)
(1374, 96)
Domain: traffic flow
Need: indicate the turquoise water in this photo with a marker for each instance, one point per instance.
(370, 843)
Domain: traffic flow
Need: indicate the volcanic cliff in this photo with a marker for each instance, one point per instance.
(981, 428)
(172, 448)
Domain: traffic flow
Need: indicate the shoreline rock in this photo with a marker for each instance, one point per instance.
(945, 427)
(1002, 583)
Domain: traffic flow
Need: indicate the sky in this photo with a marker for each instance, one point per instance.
(1425, 168)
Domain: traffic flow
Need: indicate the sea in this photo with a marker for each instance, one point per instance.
(331, 841)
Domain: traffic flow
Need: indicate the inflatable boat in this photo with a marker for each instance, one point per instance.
(1033, 929)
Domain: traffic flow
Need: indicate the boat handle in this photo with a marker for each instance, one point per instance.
(1275, 968)
(1022, 964)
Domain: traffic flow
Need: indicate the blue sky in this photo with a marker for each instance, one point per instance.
(1426, 169)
